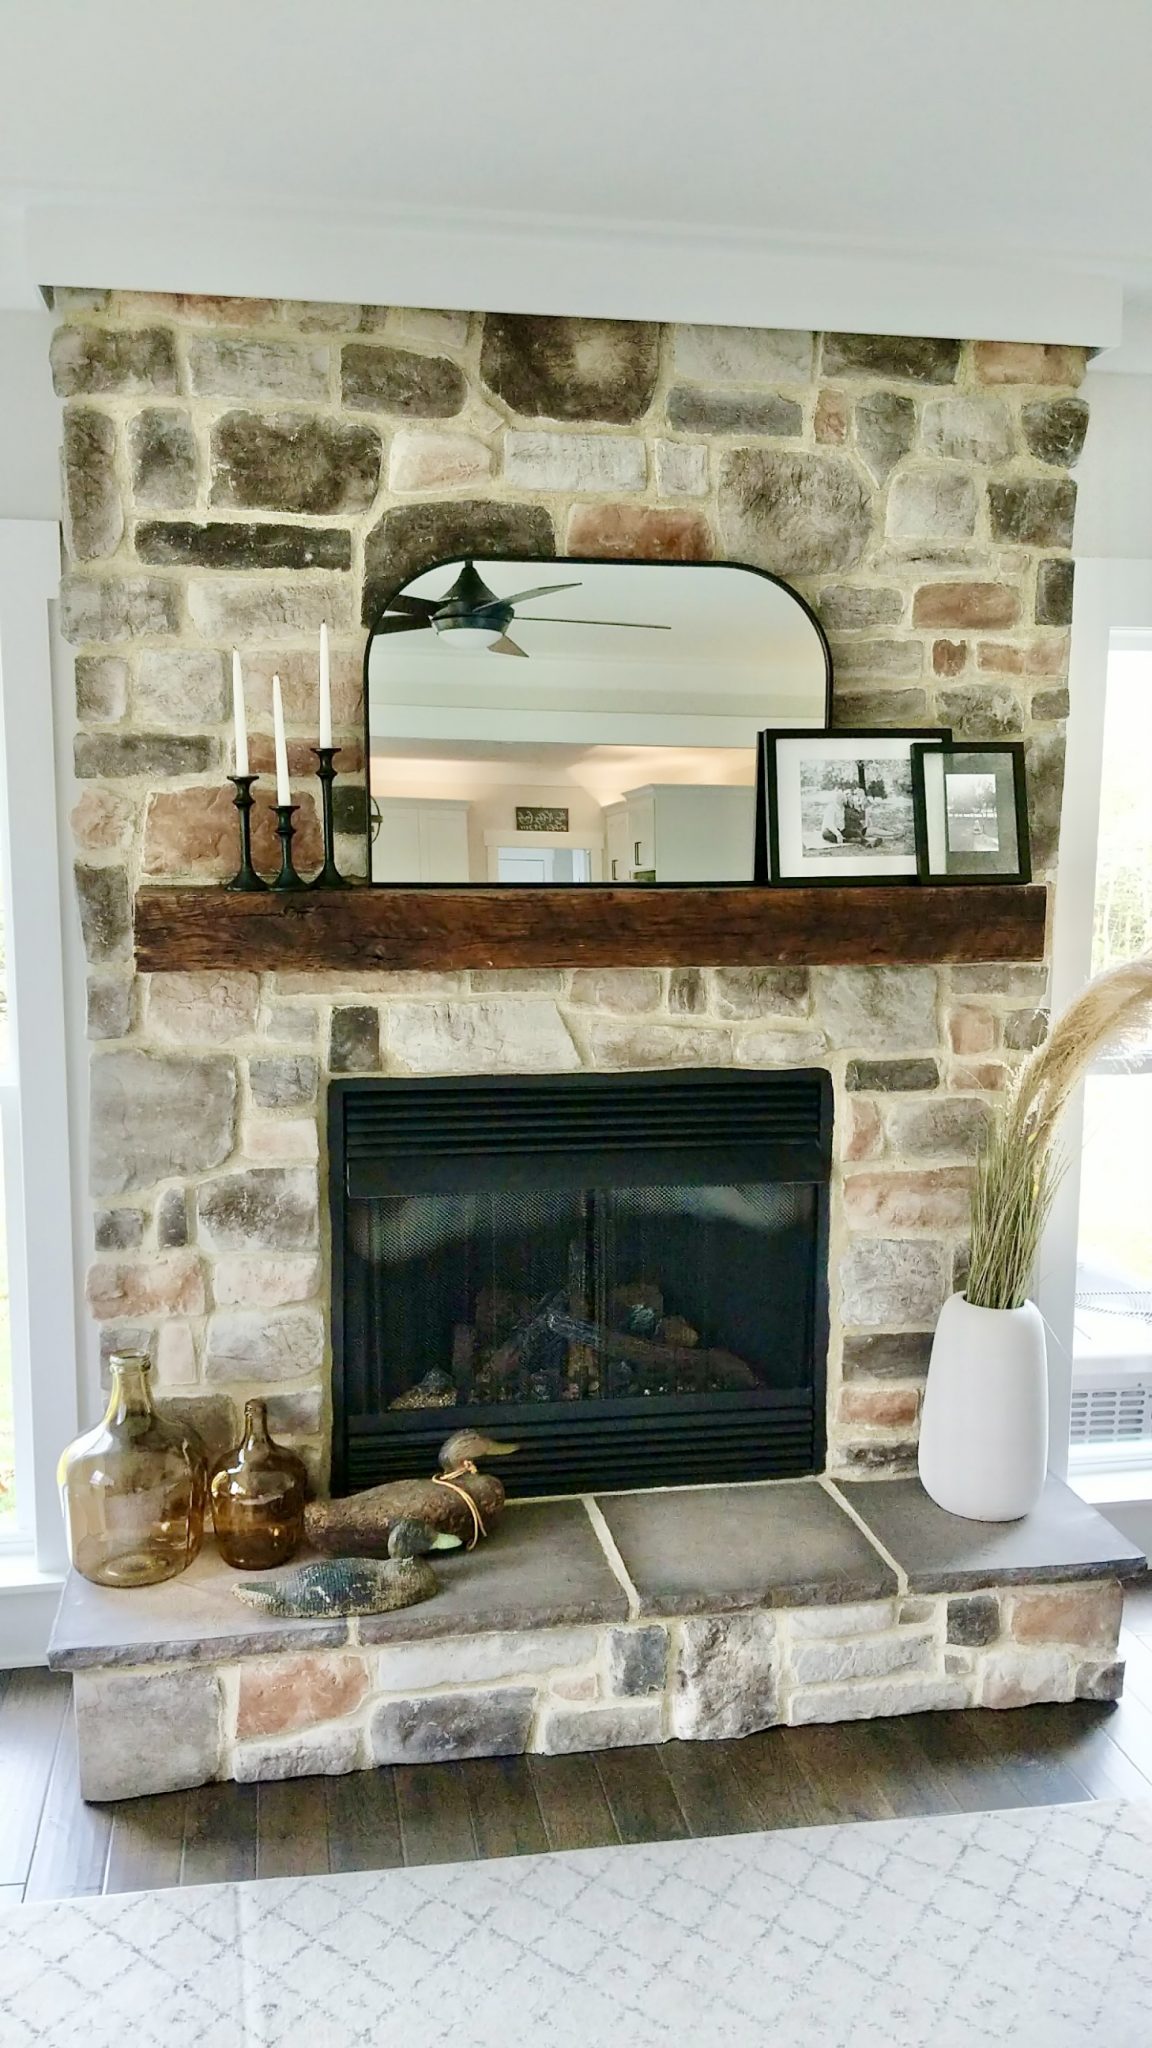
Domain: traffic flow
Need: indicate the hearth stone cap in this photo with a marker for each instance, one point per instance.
(718, 1549)
(192, 1619)
(1062, 1539)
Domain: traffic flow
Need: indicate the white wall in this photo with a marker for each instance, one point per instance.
(1114, 505)
(29, 420)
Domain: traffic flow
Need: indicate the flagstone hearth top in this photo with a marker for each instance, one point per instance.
(1063, 1538)
(695, 1550)
(714, 1549)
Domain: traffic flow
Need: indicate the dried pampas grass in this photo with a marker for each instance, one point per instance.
(1018, 1173)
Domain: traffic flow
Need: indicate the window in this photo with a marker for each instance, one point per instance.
(1111, 1417)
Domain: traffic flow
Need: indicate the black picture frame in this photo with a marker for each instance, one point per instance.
(481, 555)
(1012, 799)
(768, 803)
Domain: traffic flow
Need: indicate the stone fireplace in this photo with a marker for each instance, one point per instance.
(238, 471)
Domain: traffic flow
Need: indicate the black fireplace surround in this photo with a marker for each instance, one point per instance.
(624, 1273)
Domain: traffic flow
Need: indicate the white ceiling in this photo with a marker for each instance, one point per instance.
(888, 163)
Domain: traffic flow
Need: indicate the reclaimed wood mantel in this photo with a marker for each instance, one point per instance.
(538, 926)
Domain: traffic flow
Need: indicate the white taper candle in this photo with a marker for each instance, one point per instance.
(283, 786)
(325, 691)
(239, 718)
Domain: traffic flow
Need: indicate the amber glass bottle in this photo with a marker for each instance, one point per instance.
(258, 1496)
(134, 1489)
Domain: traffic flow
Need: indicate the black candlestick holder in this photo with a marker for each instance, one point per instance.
(329, 876)
(286, 830)
(245, 876)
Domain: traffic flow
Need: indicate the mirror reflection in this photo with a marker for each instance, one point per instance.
(563, 721)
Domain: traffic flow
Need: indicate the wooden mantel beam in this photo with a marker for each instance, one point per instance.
(581, 926)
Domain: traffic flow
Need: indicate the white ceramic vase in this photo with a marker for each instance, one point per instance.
(984, 1429)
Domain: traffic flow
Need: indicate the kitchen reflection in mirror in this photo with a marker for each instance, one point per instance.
(566, 721)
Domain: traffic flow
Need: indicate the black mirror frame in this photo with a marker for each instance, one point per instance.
(580, 561)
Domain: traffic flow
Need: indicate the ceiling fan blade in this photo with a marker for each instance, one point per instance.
(632, 625)
(421, 607)
(403, 625)
(506, 646)
(542, 590)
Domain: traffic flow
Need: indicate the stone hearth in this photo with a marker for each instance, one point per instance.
(589, 1624)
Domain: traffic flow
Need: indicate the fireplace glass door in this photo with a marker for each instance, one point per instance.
(625, 1274)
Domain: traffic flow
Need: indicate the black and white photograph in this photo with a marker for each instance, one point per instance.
(971, 813)
(841, 806)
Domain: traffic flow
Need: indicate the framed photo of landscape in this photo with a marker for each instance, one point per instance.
(972, 813)
(840, 806)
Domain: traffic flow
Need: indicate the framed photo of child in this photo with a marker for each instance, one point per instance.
(972, 812)
(840, 806)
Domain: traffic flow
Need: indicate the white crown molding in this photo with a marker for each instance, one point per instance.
(526, 264)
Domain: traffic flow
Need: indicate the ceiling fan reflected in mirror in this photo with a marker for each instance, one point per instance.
(470, 617)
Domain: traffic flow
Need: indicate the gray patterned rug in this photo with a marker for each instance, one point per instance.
(1031, 1928)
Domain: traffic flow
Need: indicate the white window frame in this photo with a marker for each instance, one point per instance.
(1113, 608)
(34, 1098)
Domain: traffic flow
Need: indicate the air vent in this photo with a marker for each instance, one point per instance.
(1112, 1415)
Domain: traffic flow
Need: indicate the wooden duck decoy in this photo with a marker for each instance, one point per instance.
(457, 1501)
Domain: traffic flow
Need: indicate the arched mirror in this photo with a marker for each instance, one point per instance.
(572, 721)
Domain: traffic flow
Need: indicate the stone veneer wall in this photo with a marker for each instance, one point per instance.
(238, 470)
(557, 1690)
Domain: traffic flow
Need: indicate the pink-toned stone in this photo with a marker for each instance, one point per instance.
(864, 1131)
(193, 832)
(1028, 362)
(283, 1140)
(1088, 1616)
(202, 1009)
(949, 657)
(580, 1685)
(298, 1692)
(198, 307)
(243, 1282)
(429, 462)
(936, 1200)
(972, 1030)
(830, 422)
(986, 1075)
(168, 1283)
(639, 533)
(1027, 1678)
(301, 755)
(966, 604)
(1047, 657)
(102, 822)
(881, 1407)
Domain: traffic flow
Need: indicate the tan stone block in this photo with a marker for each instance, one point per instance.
(936, 1200)
(282, 1140)
(298, 1692)
(762, 1048)
(1027, 1678)
(987, 1075)
(251, 1282)
(193, 832)
(628, 990)
(102, 822)
(416, 981)
(297, 670)
(1047, 657)
(832, 416)
(1087, 1615)
(503, 1035)
(681, 469)
(175, 1355)
(879, 1407)
(200, 308)
(1028, 362)
(202, 1009)
(429, 462)
(639, 532)
(168, 1283)
(863, 1131)
(337, 1749)
(949, 657)
(971, 1030)
(966, 604)
(616, 1043)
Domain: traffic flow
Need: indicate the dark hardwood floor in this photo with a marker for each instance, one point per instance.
(53, 1846)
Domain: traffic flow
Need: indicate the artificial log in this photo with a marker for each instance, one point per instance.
(700, 1364)
(360, 1525)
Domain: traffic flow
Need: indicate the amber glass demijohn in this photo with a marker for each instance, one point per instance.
(134, 1489)
(258, 1496)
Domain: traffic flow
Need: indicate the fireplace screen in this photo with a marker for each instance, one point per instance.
(623, 1273)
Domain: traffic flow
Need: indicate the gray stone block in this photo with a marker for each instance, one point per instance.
(565, 1731)
(329, 1753)
(441, 1727)
(283, 1082)
(974, 1622)
(376, 378)
(542, 1567)
(1062, 1539)
(123, 361)
(163, 460)
(909, 358)
(1036, 514)
(733, 412)
(1054, 429)
(891, 1355)
(886, 1281)
(264, 1344)
(146, 1731)
(95, 514)
(264, 1208)
(294, 462)
(878, 1009)
(105, 913)
(885, 430)
(891, 1076)
(570, 369)
(637, 1660)
(726, 1676)
(154, 1117)
(118, 607)
(408, 537)
(243, 544)
(798, 514)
